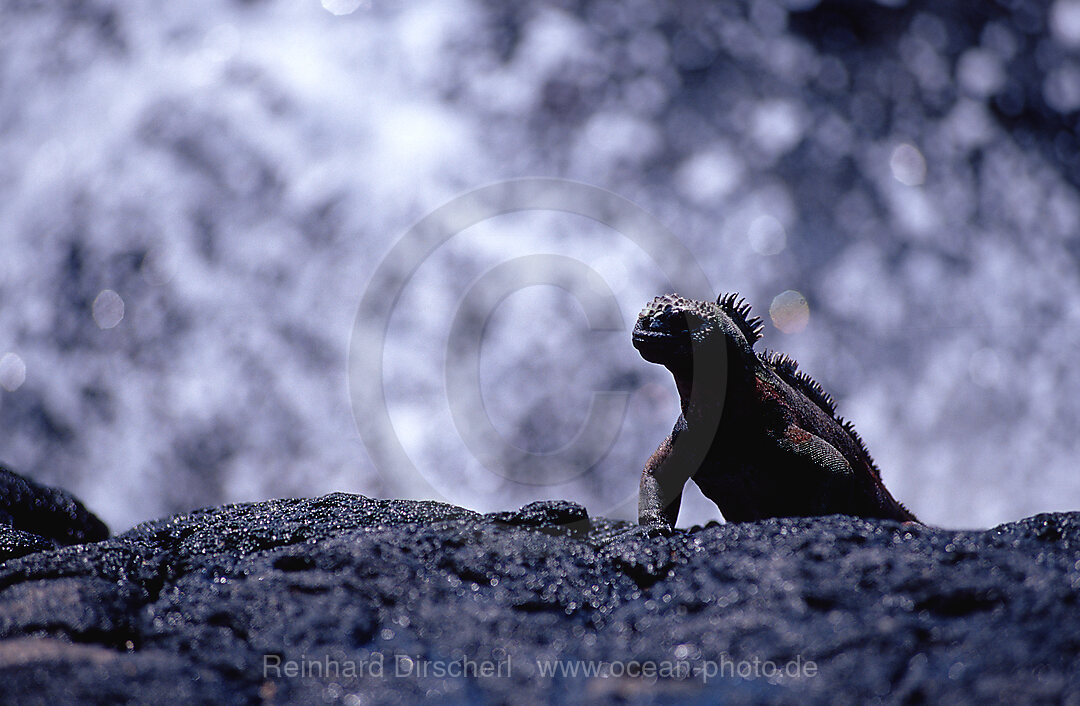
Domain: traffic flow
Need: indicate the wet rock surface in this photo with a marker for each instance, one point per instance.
(35, 516)
(350, 599)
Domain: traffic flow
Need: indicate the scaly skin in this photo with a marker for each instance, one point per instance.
(760, 438)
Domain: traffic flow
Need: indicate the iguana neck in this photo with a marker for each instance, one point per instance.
(684, 381)
(737, 384)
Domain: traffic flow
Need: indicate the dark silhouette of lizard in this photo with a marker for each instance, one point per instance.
(759, 437)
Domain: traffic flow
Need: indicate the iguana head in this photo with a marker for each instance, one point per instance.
(670, 327)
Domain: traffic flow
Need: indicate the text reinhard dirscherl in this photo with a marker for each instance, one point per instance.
(398, 665)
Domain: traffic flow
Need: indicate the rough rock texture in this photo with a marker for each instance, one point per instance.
(15, 543)
(187, 608)
(35, 516)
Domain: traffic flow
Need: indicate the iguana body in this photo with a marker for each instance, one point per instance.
(758, 437)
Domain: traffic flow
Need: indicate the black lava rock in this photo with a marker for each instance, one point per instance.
(50, 514)
(353, 600)
(15, 543)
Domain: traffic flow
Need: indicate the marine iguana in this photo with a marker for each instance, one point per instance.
(758, 436)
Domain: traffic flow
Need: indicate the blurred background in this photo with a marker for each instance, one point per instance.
(194, 197)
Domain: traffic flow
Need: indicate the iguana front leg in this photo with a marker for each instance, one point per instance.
(662, 481)
(660, 493)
